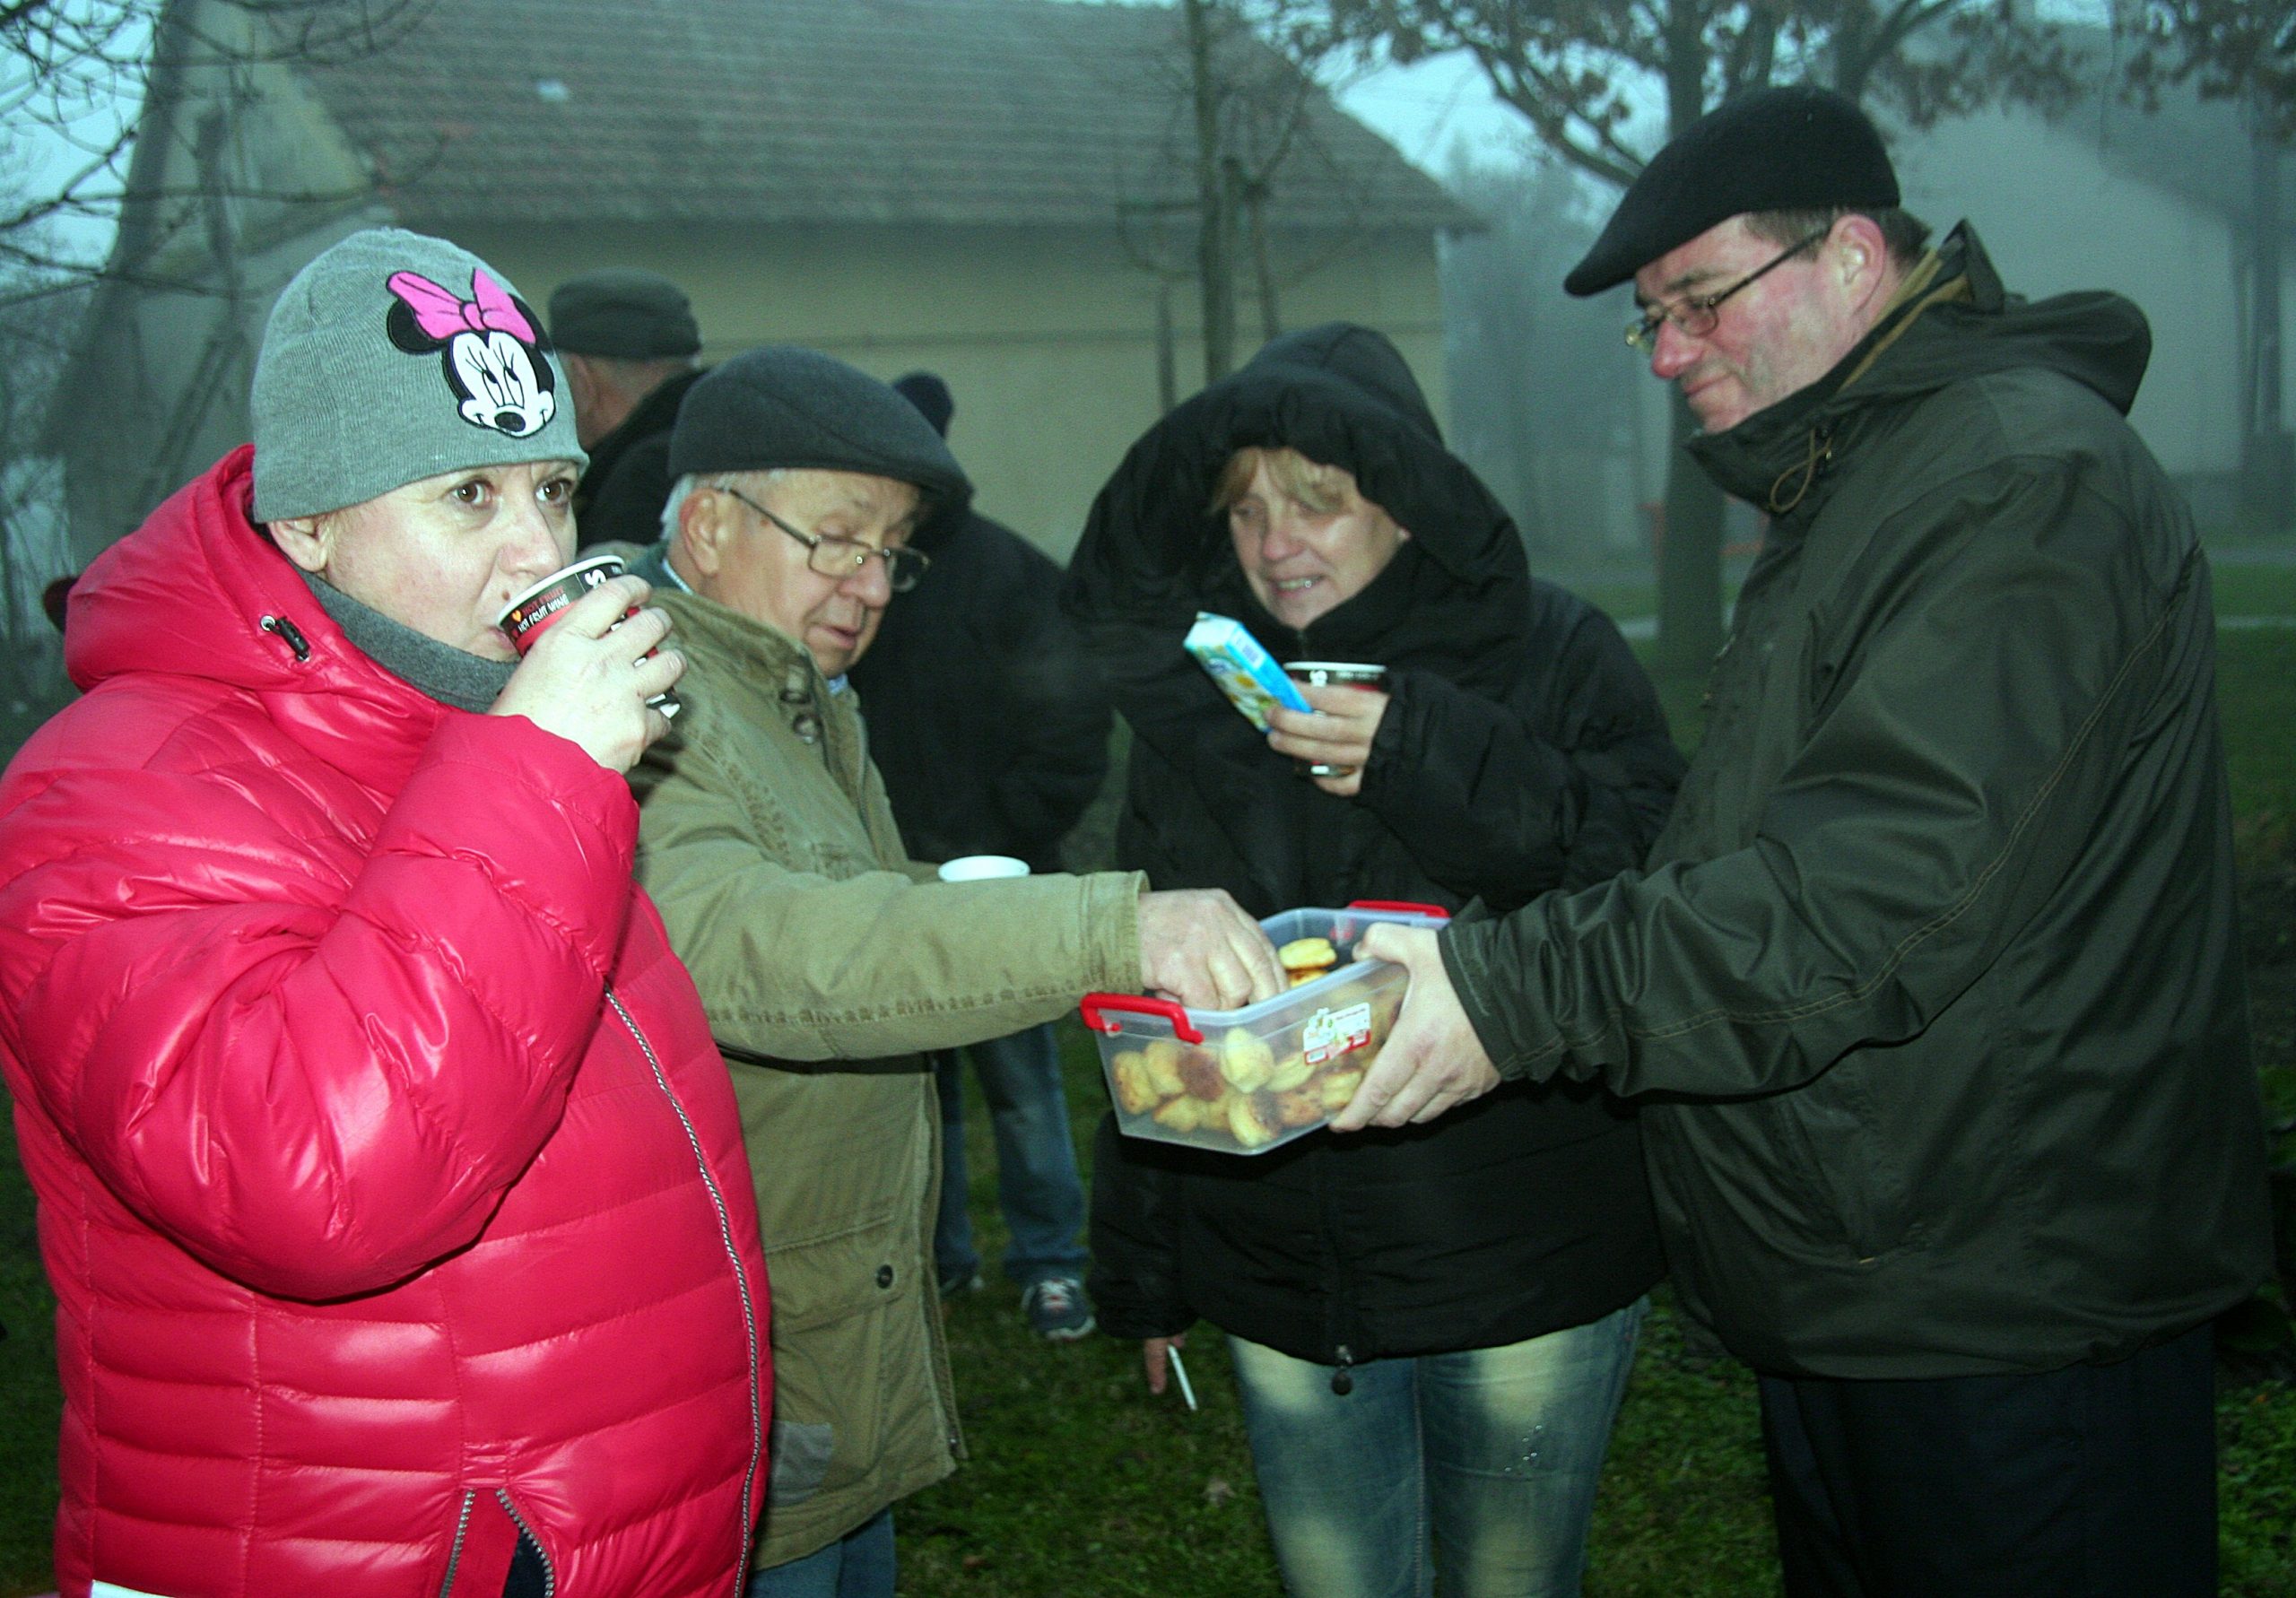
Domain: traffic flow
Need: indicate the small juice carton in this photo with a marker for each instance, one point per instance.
(1246, 673)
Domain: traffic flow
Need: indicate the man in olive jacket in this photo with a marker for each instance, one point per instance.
(1933, 978)
(825, 960)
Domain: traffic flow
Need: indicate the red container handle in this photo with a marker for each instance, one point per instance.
(1402, 905)
(1138, 1005)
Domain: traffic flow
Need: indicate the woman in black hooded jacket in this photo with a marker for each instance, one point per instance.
(1431, 1327)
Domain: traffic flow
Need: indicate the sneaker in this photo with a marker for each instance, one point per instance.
(1057, 1309)
(952, 1286)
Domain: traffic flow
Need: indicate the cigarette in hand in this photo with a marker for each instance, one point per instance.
(1188, 1390)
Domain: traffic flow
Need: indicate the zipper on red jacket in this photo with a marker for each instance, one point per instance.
(549, 1575)
(741, 1272)
(462, 1530)
(526, 1540)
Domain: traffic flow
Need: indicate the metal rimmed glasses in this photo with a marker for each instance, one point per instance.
(1697, 313)
(840, 558)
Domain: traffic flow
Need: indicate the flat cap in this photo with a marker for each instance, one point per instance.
(624, 313)
(1785, 149)
(785, 406)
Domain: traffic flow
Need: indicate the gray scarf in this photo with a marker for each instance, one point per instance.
(448, 674)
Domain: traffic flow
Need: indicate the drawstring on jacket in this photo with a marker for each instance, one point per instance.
(1819, 456)
(293, 635)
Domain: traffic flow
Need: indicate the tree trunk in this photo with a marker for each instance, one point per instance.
(2266, 467)
(1271, 319)
(1690, 558)
(1215, 256)
(1168, 381)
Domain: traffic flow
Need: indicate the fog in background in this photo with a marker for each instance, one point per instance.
(1541, 396)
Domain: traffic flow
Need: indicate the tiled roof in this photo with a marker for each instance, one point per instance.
(888, 111)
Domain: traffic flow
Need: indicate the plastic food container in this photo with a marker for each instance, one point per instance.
(1246, 1081)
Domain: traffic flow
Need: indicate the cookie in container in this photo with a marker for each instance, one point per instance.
(1246, 1081)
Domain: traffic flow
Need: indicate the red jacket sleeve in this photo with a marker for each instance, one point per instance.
(313, 1047)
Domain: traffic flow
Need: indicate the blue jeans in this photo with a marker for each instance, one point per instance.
(1471, 1475)
(857, 1565)
(1037, 1186)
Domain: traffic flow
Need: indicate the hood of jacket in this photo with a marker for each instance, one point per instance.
(200, 591)
(1153, 552)
(1453, 602)
(1953, 322)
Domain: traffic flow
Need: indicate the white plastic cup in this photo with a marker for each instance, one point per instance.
(983, 868)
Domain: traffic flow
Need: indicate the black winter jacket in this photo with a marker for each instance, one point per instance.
(1523, 749)
(986, 718)
(1935, 972)
(627, 482)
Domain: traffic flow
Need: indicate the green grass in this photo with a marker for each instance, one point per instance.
(30, 1399)
(2256, 693)
(2254, 588)
(1621, 601)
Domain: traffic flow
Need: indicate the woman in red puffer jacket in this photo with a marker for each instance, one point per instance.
(389, 1184)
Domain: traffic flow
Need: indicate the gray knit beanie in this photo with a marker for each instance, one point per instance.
(394, 357)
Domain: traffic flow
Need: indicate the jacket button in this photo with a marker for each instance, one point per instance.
(884, 1276)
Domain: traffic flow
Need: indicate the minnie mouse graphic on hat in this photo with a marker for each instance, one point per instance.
(491, 349)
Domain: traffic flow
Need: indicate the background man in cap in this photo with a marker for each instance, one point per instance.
(1933, 978)
(988, 726)
(826, 961)
(627, 340)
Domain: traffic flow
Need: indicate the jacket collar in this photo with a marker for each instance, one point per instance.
(1954, 321)
(200, 592)
(656, 413)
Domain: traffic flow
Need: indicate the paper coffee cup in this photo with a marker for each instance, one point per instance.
(537, 607)
(982, 868)
(1334, 673)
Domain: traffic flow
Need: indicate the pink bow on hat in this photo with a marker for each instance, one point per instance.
(442, 314)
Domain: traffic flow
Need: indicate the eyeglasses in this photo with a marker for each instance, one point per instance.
(1697, 313)
(840, 558)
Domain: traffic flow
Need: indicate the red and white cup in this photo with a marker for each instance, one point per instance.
(536, 608)
(1335, 673)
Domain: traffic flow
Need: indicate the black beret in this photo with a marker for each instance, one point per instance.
(623, 313)
(1788, 149)
(784, 406)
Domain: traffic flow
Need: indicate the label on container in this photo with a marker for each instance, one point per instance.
(1331, 1033)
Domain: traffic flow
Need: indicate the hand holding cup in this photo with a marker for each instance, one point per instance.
(590, 675)
(1333, 743)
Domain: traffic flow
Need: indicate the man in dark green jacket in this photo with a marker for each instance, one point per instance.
(1933, 979)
